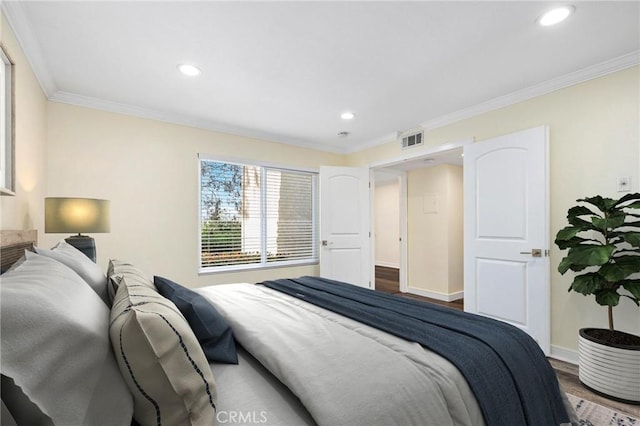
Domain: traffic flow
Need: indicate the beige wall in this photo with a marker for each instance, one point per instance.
(387, 224)
(594, 138)
(25, 210)
(434, 230)
(149, 171)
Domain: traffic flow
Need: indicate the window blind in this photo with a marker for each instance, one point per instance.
(255, 215)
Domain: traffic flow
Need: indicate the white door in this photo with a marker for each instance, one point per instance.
(344, 225)
(506, 231)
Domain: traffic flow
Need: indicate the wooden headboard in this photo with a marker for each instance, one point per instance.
(13, 244)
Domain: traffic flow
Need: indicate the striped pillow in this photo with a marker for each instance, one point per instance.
(118, 269)
(160, 359)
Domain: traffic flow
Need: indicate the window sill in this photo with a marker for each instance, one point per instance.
(253, 267)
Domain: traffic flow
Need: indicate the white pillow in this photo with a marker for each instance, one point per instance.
(160, 359)
(55, 345)
(81, 264)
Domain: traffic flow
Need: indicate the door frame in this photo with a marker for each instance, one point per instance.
(410, 156)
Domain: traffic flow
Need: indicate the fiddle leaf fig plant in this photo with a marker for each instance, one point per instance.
(603, 243)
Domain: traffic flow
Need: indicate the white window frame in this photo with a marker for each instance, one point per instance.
(7, 162)
(314, 260)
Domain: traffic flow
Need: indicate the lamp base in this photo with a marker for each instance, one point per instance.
(85, 244)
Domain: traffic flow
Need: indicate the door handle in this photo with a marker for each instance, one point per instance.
(533, 252)
(324, 242)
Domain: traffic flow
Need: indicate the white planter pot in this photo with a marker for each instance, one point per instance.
(610, 370)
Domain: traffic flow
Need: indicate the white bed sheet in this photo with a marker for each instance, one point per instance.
(248, 394)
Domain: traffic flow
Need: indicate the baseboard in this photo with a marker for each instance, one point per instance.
(564, 354)
(435, 295)
(388, 265)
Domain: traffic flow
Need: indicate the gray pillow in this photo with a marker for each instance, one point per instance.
(55, 345)
(72, 257)
(160, 359)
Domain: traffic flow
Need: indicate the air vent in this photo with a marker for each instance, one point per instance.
(412, 139)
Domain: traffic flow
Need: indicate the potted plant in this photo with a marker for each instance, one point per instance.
(603, 242)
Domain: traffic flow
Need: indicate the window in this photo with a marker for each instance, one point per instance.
(256, 216)
(7, 185)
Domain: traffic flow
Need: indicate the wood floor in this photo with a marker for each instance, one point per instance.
(568, 377)
(387, 281)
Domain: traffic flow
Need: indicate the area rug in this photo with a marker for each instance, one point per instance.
(592, 414)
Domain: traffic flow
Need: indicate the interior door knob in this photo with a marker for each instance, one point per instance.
(533, 252)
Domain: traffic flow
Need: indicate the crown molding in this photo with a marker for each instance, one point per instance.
(184, 120)
(16, 17)
(580, 76)
(589, 73)
(389, 137)
(15, 14)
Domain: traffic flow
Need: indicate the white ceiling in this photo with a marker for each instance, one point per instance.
(285, 71)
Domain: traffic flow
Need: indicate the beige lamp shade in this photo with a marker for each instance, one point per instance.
(76, 215)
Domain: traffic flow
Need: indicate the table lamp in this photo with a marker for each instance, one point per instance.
(77, 215)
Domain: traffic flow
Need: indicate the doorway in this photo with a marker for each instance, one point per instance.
(386, 197)
(418, 214)
(493, 198)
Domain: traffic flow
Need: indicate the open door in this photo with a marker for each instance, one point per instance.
(506, 231)
(344, 225)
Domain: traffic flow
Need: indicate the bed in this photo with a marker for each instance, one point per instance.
(118, 347)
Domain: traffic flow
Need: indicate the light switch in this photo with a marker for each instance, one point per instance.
(624, 184)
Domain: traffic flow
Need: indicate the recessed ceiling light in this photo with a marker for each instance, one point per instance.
(556, 15)
(347, 115)
(189, 70)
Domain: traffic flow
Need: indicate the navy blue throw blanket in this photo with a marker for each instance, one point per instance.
(506, 370)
